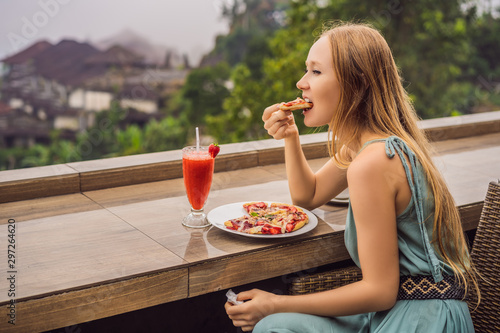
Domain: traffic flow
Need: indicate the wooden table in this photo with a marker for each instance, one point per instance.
(94, 254)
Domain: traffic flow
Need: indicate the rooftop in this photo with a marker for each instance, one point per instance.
(65, 62)
(115, 55)
(27, 54)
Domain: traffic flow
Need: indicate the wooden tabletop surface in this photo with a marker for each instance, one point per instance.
(85, 256)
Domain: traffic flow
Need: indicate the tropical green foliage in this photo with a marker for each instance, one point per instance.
(204, 91)
(435, 45)
(107, 138)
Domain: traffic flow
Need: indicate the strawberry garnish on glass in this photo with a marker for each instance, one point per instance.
(213, 149)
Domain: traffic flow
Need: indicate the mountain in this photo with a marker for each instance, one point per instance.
(153, 54)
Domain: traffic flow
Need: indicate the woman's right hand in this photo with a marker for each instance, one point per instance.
(278, 123)
(258, 304)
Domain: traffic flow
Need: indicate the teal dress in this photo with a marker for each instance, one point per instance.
(416, 257)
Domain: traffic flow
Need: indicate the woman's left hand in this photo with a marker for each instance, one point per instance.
(258, 305)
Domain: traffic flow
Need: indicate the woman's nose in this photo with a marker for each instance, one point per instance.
(302, 84)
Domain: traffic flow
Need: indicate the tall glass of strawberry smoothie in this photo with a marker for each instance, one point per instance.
(198, 170)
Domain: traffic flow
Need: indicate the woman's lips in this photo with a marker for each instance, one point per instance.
(308, 101)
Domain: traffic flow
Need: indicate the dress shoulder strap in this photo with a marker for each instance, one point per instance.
(368, 143)
(393, 145)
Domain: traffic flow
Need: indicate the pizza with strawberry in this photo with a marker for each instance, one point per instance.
(272, 219)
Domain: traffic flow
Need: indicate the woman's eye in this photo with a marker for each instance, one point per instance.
(314, 71)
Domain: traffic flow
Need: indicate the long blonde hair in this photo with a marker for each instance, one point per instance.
(373, 98)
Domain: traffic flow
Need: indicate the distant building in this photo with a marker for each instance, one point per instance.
(63, 86)
(20, 128)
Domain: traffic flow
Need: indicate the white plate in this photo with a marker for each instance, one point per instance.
(221, 214)
(339, 201)
(342, 198)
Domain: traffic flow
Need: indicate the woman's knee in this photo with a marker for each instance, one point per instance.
(275, 323)
(292, 323)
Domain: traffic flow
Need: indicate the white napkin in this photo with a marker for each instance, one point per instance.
(231, 297)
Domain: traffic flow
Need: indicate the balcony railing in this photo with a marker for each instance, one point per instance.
(77, 177)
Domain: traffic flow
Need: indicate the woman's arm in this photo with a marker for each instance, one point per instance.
(373, 190)
(307, 189)
(373, 201)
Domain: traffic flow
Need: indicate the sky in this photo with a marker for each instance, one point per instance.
(189, 26)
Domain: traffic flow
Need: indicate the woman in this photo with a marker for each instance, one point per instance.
(402, 221)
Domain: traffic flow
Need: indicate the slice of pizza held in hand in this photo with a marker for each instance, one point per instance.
(297, 104)
(273, 219)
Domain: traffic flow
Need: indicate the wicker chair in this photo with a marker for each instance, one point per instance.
(324, 281)
(485, 255)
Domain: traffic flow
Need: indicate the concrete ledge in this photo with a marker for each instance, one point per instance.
(30, 183)
(449, 128)
(38, 182)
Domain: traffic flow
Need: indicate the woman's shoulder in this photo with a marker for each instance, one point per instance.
(374, 152)
(371, 161)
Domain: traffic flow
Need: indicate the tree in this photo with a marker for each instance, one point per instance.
(484, 69)
(247, 19)
(100, 140)
(129, 141)
(204, 91)
(167, 134)
(281, 65)
(429, 42)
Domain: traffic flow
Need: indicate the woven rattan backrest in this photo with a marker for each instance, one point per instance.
(486, 257)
